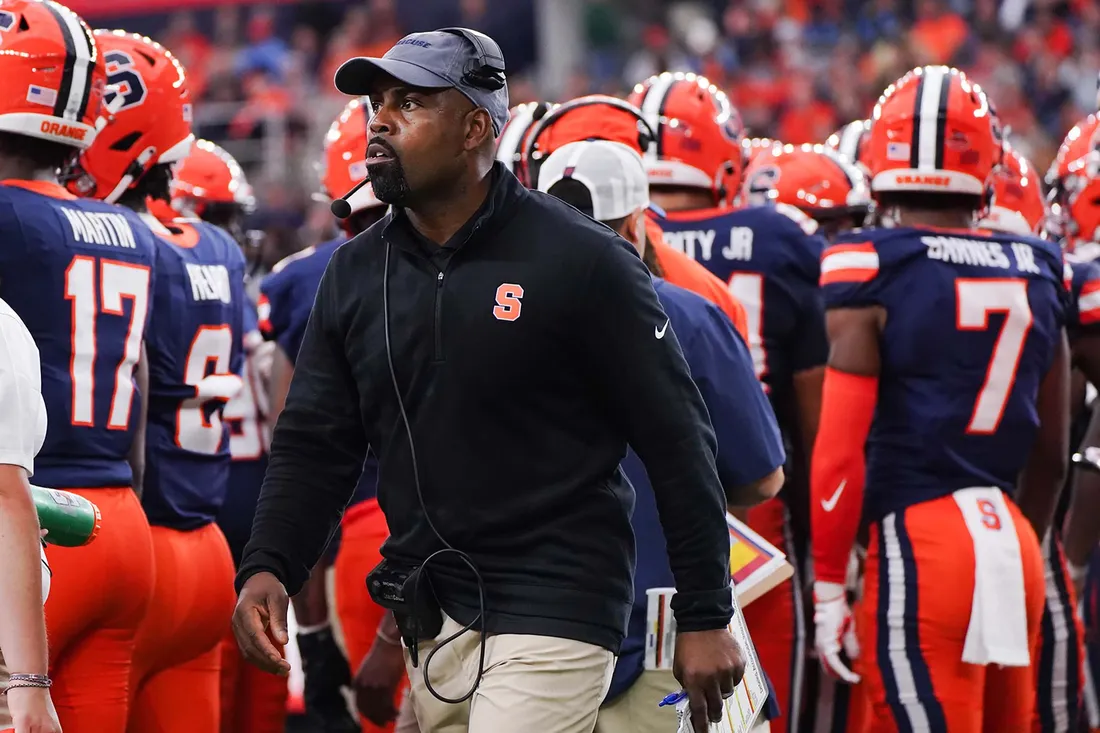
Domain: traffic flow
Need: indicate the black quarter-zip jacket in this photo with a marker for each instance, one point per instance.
(528, 355)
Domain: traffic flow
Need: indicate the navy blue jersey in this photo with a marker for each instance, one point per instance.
(770, 259)
(749, 448)
(972, 322)
(79, 273)
(249, 440)
(1083, 283)
(287, 294)
(195, 357)
(286, 300)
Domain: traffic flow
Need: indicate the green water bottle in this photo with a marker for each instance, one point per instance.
(71, 519)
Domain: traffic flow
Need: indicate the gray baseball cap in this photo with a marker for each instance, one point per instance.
(457, 58)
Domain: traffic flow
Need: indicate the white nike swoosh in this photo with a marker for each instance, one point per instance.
(830, 503)
(660, 332)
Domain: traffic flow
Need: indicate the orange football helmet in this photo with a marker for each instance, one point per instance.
(1082, 138)
(53, 73)
(754, 146)
(933, 131)
(344, 161)
(150, 117)
(851, 141)
(210, 176)
(1015, 196)
(594, 117)
(699, 134)
(813, 178)
(1078, 216)
(522, 120)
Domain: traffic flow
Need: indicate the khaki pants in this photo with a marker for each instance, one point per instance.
(636, 710)
(531, 683)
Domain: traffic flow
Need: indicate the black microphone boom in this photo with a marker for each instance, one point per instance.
(340, 207)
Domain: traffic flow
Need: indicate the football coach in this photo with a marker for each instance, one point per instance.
(498, 351)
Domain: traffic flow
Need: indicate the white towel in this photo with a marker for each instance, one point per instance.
(997, 633)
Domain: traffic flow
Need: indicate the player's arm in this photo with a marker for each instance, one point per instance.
(22, 624)
(750, 450)
(849, 396)
(137, 447)
(1082, 528)
(1041, 480)
(282, 372)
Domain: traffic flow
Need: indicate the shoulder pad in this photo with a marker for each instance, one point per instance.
(799, 217)
(849, 263)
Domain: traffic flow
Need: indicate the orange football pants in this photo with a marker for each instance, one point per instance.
(1060, 667)
(775, 620)
(177, 656)
(99, 596)
(252, 701)
(912, 625)
(364, 531)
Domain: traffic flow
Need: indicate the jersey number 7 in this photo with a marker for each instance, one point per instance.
(117, 281)
(976, 299)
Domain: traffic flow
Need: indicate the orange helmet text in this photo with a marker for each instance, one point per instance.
(344, 161)
(813, 178)
(149, 116)
(512, 143)
(53, 73)
(210, 175)
(933, 131)
(1015, 197)
(698, 134)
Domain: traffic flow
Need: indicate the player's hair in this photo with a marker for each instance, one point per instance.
(929, 201)
(155, 184)
(43, 154)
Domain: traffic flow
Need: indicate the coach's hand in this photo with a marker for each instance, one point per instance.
(377, 681)
(260, 617)
(708, 665)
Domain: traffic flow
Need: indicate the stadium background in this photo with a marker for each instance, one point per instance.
(261, 72)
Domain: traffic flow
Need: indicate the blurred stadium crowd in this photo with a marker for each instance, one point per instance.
(796, 69)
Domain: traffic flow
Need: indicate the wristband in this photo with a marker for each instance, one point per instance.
(307, 630)
(392, 641)
(27, 680)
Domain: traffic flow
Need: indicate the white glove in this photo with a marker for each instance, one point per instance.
(834, 627)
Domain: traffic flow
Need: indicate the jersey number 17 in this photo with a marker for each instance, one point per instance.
(976, 299)
(92, 291)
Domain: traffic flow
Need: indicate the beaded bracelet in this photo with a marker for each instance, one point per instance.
(27, 680)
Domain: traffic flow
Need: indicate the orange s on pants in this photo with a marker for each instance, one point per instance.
(99, 596)
(912, 623)
(776, 622)
(177, 657)
(251, 700)
(364, 531)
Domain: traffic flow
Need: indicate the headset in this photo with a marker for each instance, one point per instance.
(647, 138)
(487, 71)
